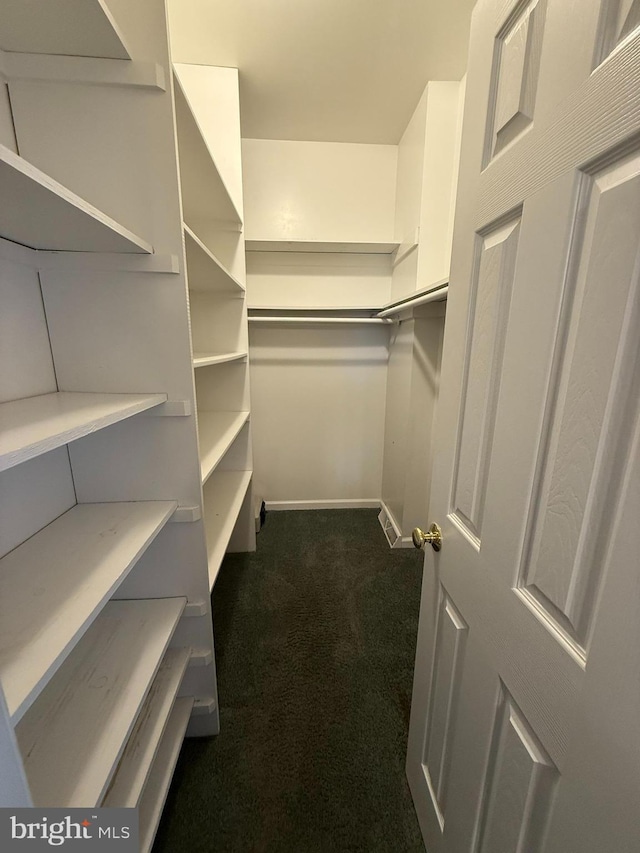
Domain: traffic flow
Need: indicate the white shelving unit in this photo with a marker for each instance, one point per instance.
(39, 424)
(218, 431)
(106, 637)
(205, 270)
(41, 213)
(59, 580)
(154, 795)
(210, 171)
(145, 740)
(74, 734)
(94, 31)
(206, 359)
(347, 247)
(225, 495)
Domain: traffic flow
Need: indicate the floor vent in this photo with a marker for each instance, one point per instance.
(388, 528)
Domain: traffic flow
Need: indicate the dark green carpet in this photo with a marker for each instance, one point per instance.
(315, 639)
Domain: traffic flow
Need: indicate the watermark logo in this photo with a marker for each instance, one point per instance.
(69, 829)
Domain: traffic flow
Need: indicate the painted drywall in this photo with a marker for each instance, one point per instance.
(317, 409)
(324, 191)
(317, 280)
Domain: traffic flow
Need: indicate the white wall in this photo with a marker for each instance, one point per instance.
(317, 280)
(317, 408)
(327, 191)
(318, 392)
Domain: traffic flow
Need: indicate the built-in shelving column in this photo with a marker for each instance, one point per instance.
(208, 120)
(104, 582)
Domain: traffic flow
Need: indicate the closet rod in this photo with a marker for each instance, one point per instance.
(436, 295)
(314, 320)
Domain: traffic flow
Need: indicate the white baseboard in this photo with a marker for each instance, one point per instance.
(359, 503)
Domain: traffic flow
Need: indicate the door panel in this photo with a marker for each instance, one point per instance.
(588, 419)
(516, 63)
(450, 642)
(518, 785)
(489, 309)
(523, 732)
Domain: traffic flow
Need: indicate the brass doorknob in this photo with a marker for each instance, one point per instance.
(432, 537)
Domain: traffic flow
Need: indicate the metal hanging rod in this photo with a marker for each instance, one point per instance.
(375, 321)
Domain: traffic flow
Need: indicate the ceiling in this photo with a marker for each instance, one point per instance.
(326, 70)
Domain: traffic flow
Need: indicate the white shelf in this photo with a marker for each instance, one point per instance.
(375, 248)
(217, 432)
(205, 359)
(223, 499)
(41, 213)
(53, 586)
(204, 193)
(157, 787)
(142, 747)
(436, 292)
(68, 27)
(205, 272)
(72, 737)
(37, 425)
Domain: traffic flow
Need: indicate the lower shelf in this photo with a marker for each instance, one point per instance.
(145, 739)
(223, 497)
(72, 737)
(155, 792)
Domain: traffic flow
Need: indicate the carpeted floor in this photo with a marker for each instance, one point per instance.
(315, 639)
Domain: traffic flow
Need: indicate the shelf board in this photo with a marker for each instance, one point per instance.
(37, 425)
(416, 294)
(72, 737)
(223, 499)
(204, 270)
(217, 432)
(67, 27)
(204, 359)
(142, 747)
(41, 213)
(58, 580)
(204, 193)
(375, 248)
(157, 787)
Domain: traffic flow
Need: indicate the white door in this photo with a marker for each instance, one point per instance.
(525, 723)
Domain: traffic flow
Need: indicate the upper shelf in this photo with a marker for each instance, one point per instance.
(375, 248)
(67, 27)
(435, 292)
(205, 195)
(41, 213)
(37, 425)
(205, 271)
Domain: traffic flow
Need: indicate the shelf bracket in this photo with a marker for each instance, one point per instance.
(204, 706)
(186, 514)
(170, 409)
(195, 609)
(87, 71)
(201, 657)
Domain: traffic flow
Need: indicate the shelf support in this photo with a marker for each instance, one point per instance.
(171, 409)
(86, 71)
